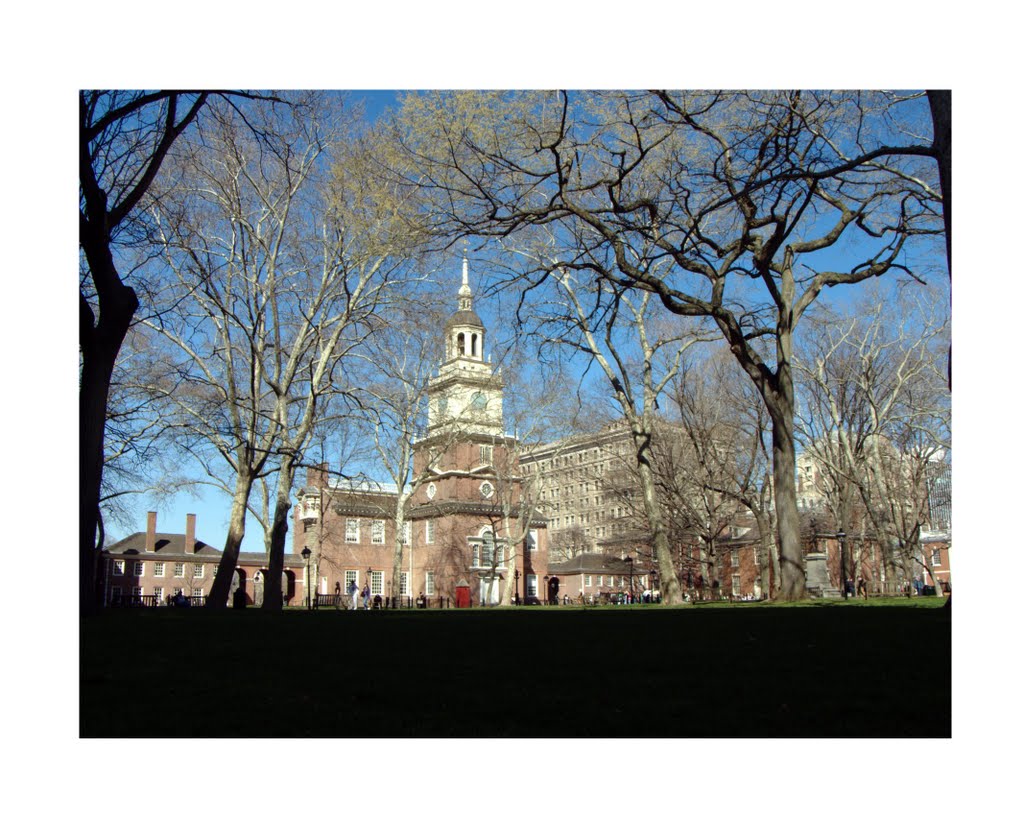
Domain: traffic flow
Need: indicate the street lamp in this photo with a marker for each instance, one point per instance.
(306, 553)
(517, 575)
(841, 536)
(629, 560)
(654, 579)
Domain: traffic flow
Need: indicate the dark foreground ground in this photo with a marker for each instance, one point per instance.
(827, 670)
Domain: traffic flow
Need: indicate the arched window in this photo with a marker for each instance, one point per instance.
(488, 548)
(473, 350)
(462, 343)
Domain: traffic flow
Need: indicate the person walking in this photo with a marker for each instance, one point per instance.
(366, 597)
(353, 590)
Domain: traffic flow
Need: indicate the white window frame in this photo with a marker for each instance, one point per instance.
(428, 584)
(198, 571)
(407, 531)
(403, 586)
(588, 580)
(377, 532)
(351, 576)
(533, 542)
(197, 593)
(936, 558)
(531, 585)
(352, 530)
(376, 583)
(118, 568)
(158, 594)
(734, 559)
(139, 569)
(179, 569)
(115, 594)
(486, 453)
(158, 570)
(429, 533)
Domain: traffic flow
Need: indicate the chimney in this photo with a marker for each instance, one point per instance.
(316, 476)
(190, 534)
(151, 531)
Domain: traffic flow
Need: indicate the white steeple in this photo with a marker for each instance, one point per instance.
(465, 294)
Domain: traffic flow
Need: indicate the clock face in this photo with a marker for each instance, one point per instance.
(431, 491)
(478, 401)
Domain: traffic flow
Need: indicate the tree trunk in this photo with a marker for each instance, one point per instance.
(273, 593)
(221, 589)
(99, 342)
(396, 563)
(671, 593)
(780, 405)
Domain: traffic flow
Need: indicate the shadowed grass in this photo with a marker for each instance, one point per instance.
(873, 669)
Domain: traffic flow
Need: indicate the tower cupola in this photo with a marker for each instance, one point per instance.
(464, 331)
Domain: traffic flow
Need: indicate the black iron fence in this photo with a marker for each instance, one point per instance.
(405, 601)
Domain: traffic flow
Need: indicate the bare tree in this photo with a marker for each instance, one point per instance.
(727, 464)
(875, 416)
(124, 138)
(277, 277)
(755, 202)
(638, 359)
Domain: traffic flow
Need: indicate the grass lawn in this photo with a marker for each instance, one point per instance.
(855, 669)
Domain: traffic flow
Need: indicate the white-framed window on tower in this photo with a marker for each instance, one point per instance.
(429, 535)
(486, 454)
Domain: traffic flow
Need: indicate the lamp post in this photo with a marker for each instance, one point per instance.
(629, 560)
(517, 576)
(841, 537)
(654, 579)
(306, 553)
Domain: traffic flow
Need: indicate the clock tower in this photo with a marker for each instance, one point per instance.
(465, 395)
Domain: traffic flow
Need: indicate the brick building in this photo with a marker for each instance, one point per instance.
(148, 568)
(456, 549)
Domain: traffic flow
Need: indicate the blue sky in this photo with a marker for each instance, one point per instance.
(212, 506)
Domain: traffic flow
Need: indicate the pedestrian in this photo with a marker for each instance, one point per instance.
(366, 597)
(353, 590)
(862, 588)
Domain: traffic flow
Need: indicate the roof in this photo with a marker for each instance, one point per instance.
(173, 545)
(166, 544)
(594, 562)
(464, 317)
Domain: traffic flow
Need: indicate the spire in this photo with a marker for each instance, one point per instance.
(465, 294)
